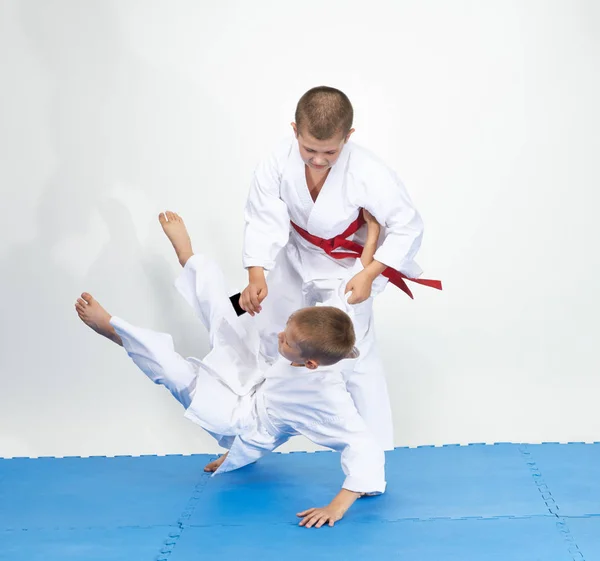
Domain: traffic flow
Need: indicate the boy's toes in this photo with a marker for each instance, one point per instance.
(162, 218)
(170, 215)
(87, 297)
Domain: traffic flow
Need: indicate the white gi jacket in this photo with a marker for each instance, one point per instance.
(249, 401)
(358, 179)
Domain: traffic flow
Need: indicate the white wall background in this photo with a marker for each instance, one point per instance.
(114, 111)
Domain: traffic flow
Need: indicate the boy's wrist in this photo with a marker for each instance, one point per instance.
(374, 269)
(343, 501)
(256, 273)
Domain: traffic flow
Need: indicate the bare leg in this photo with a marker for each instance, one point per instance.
(214, 466)
(174, 228)
(96, 317)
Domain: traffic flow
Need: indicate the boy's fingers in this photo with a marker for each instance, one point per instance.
(260, 296)
(254, 300)
(331, 522)
(316, 516)
(305, 512)
(245, 303)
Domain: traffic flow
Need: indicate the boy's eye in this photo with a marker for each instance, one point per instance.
(309, 150)
(330, 153)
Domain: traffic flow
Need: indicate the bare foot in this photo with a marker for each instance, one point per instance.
(95, 316)
(175, 229)
(214, 466)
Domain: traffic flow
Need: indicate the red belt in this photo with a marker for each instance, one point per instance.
(355, 250)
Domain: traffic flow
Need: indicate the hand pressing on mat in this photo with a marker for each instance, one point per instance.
(331, 513)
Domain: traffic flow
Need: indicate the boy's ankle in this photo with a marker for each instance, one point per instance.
(184, 257)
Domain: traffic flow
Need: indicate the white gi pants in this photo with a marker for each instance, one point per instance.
(207, 400)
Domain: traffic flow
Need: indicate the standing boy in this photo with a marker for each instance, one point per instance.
(304, 225)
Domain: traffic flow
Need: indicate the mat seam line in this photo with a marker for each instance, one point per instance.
(551, 504)
(181, 525)
(171, 541)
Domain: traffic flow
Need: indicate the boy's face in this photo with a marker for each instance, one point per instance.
(319, 155)
(289, 349)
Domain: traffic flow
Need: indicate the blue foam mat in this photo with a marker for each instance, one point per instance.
(97, 544)
(458, 481)
(586, 534)
(525, 539)
(572, 473)
(451, 482)
(93, 492)
(502, 502)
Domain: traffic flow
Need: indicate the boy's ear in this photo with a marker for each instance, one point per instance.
(295, 127)
(354, 353)
(311, 364)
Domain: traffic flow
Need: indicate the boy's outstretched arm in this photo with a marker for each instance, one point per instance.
(267, 231)
(362, 459)
(331, 513)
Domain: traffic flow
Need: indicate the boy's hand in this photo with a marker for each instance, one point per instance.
(255, 292)
(318, 516)
(369, 218)
(360, 285)
(331, 513)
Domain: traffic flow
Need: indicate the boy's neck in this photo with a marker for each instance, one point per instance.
(304, 365)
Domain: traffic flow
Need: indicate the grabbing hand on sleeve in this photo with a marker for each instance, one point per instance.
(255, 292)
(360, 285)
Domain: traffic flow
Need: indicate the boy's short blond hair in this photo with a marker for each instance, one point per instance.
(324, 112)
(325, 334)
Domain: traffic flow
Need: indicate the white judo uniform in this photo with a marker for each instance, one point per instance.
(250, 401)
(301, 274)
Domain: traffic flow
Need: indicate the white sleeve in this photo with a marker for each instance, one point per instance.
(267, 218)
(388, 201)
(363, 460)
